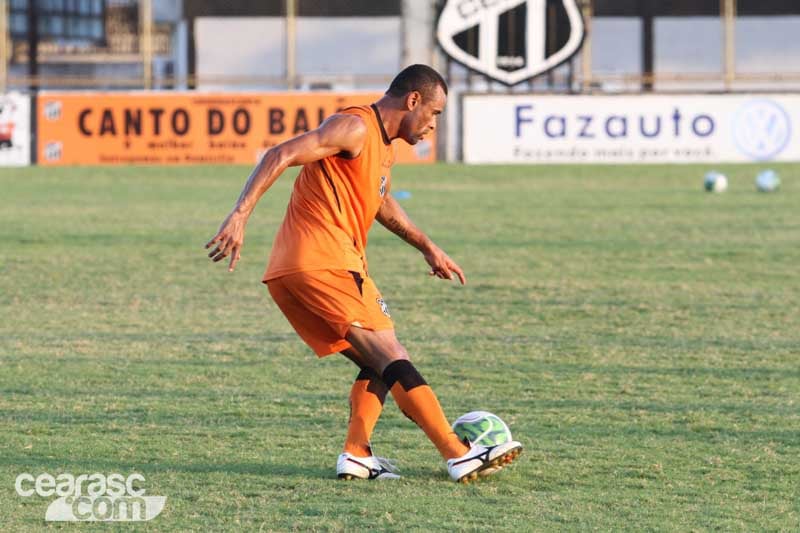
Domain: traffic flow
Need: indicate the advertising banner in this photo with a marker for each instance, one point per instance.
(630, 128)
(163, 128)
(15, 130)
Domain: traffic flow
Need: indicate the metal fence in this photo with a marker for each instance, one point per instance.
(707, 45)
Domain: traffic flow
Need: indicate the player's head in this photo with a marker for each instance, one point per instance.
(422, 93)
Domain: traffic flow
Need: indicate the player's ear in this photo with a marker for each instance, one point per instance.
(413, 99)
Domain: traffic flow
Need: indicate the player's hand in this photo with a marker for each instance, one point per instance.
(229, 240)
(442, 266)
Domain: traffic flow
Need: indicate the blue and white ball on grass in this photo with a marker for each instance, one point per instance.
(715, 182)
(483, 428)
(768, 181)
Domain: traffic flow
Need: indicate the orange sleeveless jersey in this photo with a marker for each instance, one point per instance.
(333, 205)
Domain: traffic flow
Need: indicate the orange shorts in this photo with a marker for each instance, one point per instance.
(322, 305)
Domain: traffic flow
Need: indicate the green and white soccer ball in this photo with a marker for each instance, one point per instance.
(482, 427)
(715, 182)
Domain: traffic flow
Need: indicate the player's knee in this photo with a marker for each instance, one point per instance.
(397, 355)
(378, 349)
(396, 351)
(387, 355)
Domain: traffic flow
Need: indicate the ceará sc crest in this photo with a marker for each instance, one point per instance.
(508, 39)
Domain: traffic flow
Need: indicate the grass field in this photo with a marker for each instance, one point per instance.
(640, 337)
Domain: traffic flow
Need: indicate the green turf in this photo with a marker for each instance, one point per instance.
(639, 336)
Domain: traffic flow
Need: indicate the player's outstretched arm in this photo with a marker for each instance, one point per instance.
(395, 219)
(339, 133)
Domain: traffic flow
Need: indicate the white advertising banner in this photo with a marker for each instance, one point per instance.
(630, 128)
(15, 129)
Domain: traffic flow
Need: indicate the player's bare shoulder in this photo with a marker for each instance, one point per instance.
(346, 131)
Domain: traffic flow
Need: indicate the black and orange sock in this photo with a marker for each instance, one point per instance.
(418, 402)
(366, 403)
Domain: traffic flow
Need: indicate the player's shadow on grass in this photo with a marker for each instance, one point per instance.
(39, 463)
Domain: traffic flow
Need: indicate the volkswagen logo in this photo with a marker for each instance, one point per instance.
(761, 129)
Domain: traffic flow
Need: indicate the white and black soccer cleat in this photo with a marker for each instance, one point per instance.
(351, 467)
(482, 461)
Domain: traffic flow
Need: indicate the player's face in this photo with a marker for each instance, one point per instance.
(421, 121)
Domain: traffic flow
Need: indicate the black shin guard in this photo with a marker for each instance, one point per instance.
(403, 372)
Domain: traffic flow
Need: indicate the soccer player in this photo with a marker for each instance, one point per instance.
(318, 276)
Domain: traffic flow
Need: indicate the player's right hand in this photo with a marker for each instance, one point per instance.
(229, 240)
(442, 266)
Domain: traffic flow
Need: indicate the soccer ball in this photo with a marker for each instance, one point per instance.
(768, 181)
(715, 182)
(482, 427)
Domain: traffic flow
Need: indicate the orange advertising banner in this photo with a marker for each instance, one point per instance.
(166, 128)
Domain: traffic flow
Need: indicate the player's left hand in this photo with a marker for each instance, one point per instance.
(442, 266)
